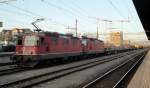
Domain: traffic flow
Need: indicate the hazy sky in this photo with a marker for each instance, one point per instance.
(58, 14)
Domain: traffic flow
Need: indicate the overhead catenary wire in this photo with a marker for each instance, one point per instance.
(71, 12)
(17, 21)
(77, 6)
(15, 12)
(64, 10)
(74, 8)
(58, 7)
(131, 14)
(24, 10)
(83, 15)
(35, 15)
(131, 17)
(116, 9)
(6, 1)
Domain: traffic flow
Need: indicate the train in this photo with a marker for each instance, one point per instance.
(7, 48)
(36, 47)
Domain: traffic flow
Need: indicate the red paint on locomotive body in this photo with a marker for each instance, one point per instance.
(93, 45)
(47, 45)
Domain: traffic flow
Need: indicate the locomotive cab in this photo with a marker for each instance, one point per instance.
(27, 49)
(28, 44)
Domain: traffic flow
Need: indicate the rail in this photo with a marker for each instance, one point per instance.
(104, 76)
(28, 82)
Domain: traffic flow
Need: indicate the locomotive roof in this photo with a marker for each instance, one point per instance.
(55, 34)
(51, 34)
(92, 39)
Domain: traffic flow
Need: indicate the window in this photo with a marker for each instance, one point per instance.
(84, 42)
(31, 40)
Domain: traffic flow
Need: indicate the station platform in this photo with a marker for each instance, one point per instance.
(6, 53)
(141, 78)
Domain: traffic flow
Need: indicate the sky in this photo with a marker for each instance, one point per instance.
(59, 14)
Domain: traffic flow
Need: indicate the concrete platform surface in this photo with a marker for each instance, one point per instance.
(141, 78)
(6, 53)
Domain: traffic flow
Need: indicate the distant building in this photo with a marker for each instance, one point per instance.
(127, 44)
(17, 31)
(5, 36)
(9, 36)
(116, 38)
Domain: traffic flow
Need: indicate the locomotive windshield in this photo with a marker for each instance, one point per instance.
(31, 40)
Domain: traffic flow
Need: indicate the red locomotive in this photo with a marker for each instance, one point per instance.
(40, 46)
(92, 46)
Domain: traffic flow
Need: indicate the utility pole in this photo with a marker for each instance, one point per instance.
(107, 28)
(97, 27)
(76, 27)
(123, 21)
(97, 34)
(103, 20)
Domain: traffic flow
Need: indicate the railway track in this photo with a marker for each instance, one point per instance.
(5, 54)
(118, 84)
(6, 64)
(115, 75)
(12, 68)
(6, 68)
(28, 82)
(5, 61)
